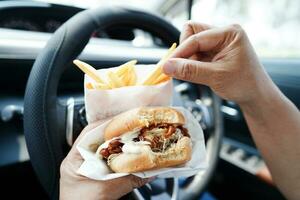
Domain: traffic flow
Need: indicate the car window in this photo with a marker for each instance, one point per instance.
(273, 26)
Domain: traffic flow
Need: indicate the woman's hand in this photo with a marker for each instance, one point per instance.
(221, 58)
(74, 186)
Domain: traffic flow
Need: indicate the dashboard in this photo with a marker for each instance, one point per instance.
(47, 18)
(35, 16)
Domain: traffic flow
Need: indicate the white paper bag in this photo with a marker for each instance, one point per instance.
(104, 104)
(97, 169)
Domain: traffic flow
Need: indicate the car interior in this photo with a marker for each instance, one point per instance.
(42, 95)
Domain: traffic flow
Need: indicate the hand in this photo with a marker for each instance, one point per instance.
(74, 186)
(221, 58)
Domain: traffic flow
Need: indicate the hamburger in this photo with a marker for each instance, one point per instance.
(146, 138)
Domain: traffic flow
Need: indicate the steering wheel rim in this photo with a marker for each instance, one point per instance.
(44, 129)
(213, 145)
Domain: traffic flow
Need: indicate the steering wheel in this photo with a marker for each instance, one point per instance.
(47, 119)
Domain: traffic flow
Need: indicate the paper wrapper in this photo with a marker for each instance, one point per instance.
(97, 169)
(104, 104)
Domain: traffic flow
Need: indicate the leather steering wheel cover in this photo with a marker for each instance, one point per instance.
(200, 181)
(44, 137)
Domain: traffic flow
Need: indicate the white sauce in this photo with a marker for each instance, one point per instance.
(134, 147)
(104, 145)
(124, 138)
(129, 136)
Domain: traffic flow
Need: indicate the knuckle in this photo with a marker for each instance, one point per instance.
(236, 29)
(188, 24)
(187, 71)
(193, 39)
(136, 182)
(140, 182)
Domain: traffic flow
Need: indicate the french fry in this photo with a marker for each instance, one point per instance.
(101, 86)
(122, 72)
(124, 75)
(133, 77)
(122, 69)
(126, 78)
(161, 79)
(164, 79)
(158, 70)
(113, 80)
(97, 86)
(89, 70)
(89, 86)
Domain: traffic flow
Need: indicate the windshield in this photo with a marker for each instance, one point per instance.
(272, 26)
(145, 5)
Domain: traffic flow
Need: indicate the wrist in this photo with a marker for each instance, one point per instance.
(265, 97)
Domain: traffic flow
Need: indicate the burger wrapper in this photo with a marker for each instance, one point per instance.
(97, 169)
(104, 104)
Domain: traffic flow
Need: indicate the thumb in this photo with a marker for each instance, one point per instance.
(189, 70)
(126, 184)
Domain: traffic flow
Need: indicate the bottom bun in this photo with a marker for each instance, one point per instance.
(178, 154)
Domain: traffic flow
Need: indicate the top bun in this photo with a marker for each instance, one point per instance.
(138, 118)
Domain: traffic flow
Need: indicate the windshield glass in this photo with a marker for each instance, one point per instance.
(144, 5)
(272, 26)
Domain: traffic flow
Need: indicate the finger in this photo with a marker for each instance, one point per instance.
(190, 28)
(129, 183)
(189, 70)
(205, 41)
(139, 182)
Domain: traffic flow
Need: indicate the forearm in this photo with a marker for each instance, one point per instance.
(275, 126)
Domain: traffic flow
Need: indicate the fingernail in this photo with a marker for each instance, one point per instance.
(169, 68)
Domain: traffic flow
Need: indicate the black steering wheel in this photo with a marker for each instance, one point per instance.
(45, 115)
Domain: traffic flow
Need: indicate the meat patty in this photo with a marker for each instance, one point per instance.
(160, 137)
(114, 147)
